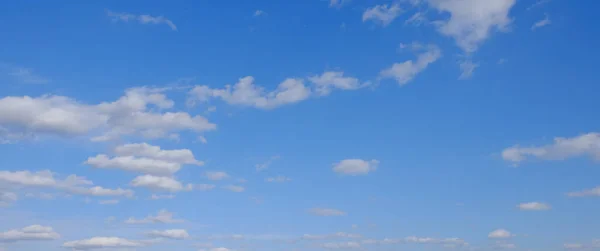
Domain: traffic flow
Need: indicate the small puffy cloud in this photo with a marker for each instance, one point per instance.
(539, 24)
(534, 206)
(471, 22)
(383, 14)
(213, 175)
(45, 179)
(102, 243)
(259, 13)
(30, 233)
(246, 93)
(234, 188)
(181, 156)
(177, 234)
(278, 179)
(585, 193)
(406, 71)
(134, 164)
(162, 216)
(142, 19)
(355, 166)
(160, 183)
(330, 80)
(500, 234)
(326, 212)
(561, 149)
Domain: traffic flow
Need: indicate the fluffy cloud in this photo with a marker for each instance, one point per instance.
(142, 19)
(30, 233)
(406, 71)
(355, 166)
(534, 206)
(383, 14)
(326, 212)
(160, 183)
(500, 234)
(278, 179)
(181, 156)
(131, 114)
(589, 192)
(134, 164)
(472, 21)
(212, 175)
(162, 216)
(562, 148)
(330, 80)
(102, 243)
(177, 234)
(246, 93)
(234, 188)
(45, 179)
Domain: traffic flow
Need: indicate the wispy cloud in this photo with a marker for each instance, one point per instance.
(25, 75)
(143, 19)
(538, 4)
(544, 22)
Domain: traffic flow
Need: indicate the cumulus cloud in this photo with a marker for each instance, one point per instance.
(534, 206)
(160, 183)
(500, 234)
(61, 116)
(330, 80)
(561, 149)
(406, 71)
(30, 233)
(142, 19)
(471, 22)
(102, 243)
(467, 67)
(181, 156)
(355, 166)
(258, 13)
(383, 14)
(326, 212)
(45, 179)
(134, 164)
(162, 216)
(177, 234)
(278, 179)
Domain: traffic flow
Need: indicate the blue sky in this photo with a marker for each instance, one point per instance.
(304, 125)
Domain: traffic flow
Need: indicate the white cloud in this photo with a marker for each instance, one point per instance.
(539, 24)
(45, 179)
(337, 3)
(573, 246)
(213, 175)
(534, 206)
(102, 243)
(417, 19)
(160, 197)
(341, 245)
(446, 242)
(406, 71)
(337, 235)
(26, 75)
(266, 164)
(327, 81)
(278, 179)
(162, 216)
(589, 192)
(562, 148)
(134, 164)
(500, 234)
(472, 21)
(234, 188)
(383, 14)
(246, 93)
(160, 183)
(204, 187)
(108, 202)
(178, 234)
(131, 114)
(355, 166)
(143, 19)
(467, 67)
(7, 198)
(258, 13)
(181, 156)
(30, 233)
(538, 4)
(326, 212)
